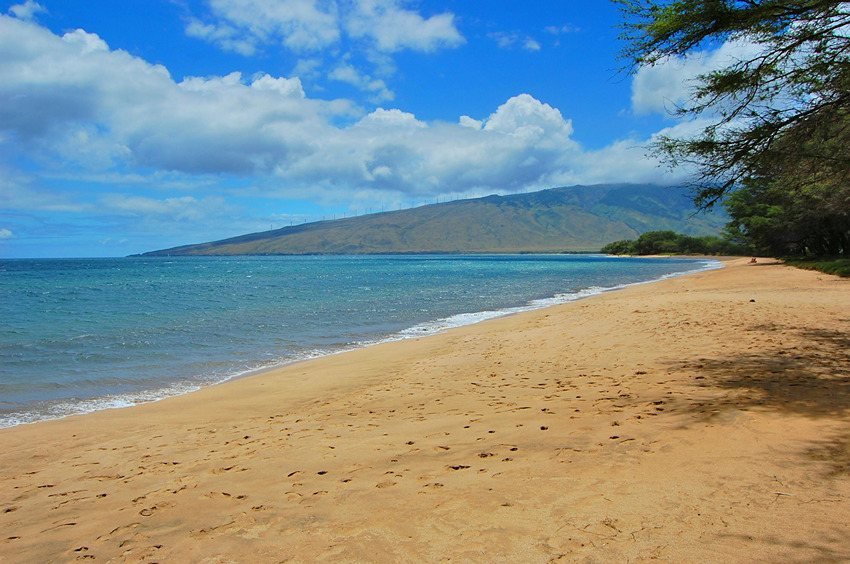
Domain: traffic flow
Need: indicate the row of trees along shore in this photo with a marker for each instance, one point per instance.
(775, 150)
(672, 243)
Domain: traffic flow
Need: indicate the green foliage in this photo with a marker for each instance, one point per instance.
(777, 146)
(838, 266)
(798, 206)
(672, 243)
(625, 247)
(783, 219)
(792, 85)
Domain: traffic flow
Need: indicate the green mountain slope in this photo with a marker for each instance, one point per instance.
(577, 218)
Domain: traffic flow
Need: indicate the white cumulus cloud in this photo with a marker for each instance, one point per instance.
(27, 10)
(512, 40)
(561, 29)
(531, 44)
(244, 25)
(312, 25)
(350, 75)
(525, 116)
(662, 87)
(72, 104)
(226, 37)
(472, 123)
(63, 96)
(182, 208)
(86, 42)
(6, 233)
(328, 34)
(393, 27)
(288, 87)
(382, 119)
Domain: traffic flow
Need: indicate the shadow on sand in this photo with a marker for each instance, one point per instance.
(830, 547)
(811, 381)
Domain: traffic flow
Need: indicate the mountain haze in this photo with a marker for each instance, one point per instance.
(577, 218)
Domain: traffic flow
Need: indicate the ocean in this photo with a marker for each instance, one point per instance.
(79, 335)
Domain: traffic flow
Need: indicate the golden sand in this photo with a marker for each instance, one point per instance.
(702, 418)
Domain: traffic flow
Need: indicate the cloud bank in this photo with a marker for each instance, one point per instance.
(245, 26)
(72, 100)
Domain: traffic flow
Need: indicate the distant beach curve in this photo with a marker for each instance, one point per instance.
(80, 335)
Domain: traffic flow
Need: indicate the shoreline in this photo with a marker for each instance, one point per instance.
(702, 417)
(423, 329)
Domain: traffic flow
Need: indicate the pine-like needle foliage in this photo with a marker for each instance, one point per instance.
(779, 118)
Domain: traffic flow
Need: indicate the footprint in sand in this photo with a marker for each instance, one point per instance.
(223, 470)
(385, 484)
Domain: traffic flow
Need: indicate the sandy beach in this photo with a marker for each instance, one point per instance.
(700, 418)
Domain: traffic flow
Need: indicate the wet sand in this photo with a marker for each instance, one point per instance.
(701, 418)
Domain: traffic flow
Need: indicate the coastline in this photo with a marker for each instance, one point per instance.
(695, 418)
(69, 408)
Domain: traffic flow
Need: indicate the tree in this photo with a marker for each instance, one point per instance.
(779, 220)
(781, 111)
(672, 243)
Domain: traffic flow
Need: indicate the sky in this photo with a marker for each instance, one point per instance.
(130, 126)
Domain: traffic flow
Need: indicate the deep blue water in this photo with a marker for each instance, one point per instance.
(83, 334)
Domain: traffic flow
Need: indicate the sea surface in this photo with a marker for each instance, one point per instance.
(78, 335)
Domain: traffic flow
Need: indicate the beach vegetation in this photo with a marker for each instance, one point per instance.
(779, 219)
(775, 145)
(672, 243)
(838, 266)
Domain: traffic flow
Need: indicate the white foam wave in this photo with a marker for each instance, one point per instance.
(69, 408)
(78, 407)
(461, 319)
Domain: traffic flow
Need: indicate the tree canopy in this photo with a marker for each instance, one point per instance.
(672, 243)
(779, 116)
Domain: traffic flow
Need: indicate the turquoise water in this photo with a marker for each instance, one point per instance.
(86, 334)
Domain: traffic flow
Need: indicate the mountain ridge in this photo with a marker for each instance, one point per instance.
(564, 219)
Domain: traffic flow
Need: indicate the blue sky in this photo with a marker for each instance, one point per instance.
(128, 126)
